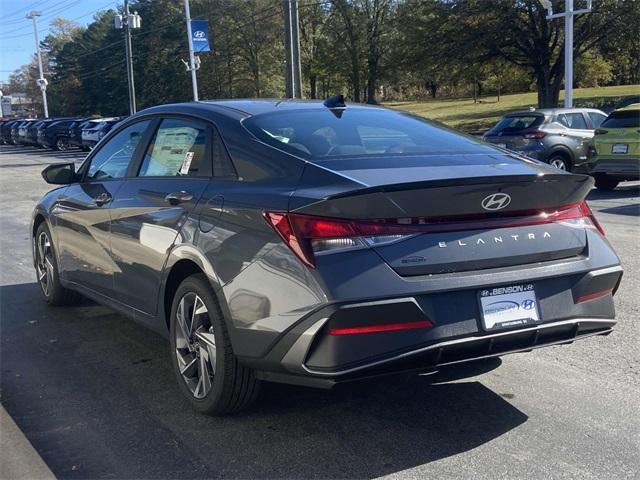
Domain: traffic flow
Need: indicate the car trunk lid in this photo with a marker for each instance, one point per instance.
(450, 217)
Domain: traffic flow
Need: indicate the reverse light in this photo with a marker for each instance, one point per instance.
(308, 236)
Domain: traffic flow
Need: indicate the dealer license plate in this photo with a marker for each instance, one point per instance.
(510, 306)
(620, 148)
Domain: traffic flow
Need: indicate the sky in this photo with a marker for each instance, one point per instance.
(17, 42)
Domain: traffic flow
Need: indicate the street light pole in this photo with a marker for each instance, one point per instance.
(129, 55)
(192, 60)
(129, 21)
(568, 15)
(293, 87)
(42, 82)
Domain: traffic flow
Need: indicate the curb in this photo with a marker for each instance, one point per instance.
(18, 459)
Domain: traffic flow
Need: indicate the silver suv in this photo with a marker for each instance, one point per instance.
(558, 136)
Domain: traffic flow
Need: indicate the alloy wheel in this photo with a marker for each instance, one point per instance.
(44, 262)
(61, 144)
(195, 345)
(559, 163)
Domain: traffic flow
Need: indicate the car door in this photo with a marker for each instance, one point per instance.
(151, 208)
(578, 133)
(81, 215)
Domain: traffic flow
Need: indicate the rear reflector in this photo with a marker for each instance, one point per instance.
(537, 134)
(389, 327)
(308, 235)
(594, 295)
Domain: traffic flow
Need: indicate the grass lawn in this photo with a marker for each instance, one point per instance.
(465, 115)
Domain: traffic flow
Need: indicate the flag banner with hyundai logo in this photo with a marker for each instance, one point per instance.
(200, 36)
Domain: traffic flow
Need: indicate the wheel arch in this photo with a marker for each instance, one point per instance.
(38, 218)
(182, 263)
(562, 151)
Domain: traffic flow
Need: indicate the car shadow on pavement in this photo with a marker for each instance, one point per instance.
(96, 395)
(621, 192)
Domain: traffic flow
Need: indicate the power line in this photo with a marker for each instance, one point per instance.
(49, 16)
(22, 10)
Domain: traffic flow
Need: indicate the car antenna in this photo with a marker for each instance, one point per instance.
(337, 101)
(336, 105)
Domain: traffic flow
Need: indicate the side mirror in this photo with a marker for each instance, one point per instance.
(60, 173)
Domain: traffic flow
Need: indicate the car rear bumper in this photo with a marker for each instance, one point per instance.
(618, 167)
(310, 354)
(453, 351)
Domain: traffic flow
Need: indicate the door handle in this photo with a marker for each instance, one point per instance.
(175, 198)
(101, 199)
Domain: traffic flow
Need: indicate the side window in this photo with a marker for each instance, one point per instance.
(112, 160)
(177, 149)
(574, 121)
(596, 119)
(222, 164)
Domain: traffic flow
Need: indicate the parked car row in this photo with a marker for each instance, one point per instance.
(580, 140)
(60, 133)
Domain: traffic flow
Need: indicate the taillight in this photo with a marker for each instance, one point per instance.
(308, 235)
(587, 213)
(600, 131)
(591, 151)
(535, 134)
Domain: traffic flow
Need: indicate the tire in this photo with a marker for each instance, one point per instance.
(227, 386)
(560, 162)
(47, 270)
(606, 183)
(61, 144)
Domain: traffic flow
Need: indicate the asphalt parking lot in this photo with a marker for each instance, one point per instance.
(96, 396)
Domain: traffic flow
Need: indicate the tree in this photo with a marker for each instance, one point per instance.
(518, 31)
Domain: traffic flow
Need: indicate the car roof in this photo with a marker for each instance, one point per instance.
(629, 108)
(250, 106)
(553, 111)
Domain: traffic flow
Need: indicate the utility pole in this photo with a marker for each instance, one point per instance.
(568, 15)
(193, 67)
(292, 48)
(42, 82)
(129, 21)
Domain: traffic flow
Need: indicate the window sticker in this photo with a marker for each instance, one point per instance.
(186, 163)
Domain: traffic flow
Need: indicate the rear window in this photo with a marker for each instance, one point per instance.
(517, 123)
(323, 134)
(630, 119)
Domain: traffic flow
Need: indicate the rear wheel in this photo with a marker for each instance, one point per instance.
(207, 370)
(47, 270)
(560, 162)
(604, 182)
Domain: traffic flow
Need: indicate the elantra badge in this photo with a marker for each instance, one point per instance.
(496, 201)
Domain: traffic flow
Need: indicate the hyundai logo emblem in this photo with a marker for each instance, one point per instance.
(199, 34)
(496, 201)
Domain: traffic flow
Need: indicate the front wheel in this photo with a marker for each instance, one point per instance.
(47, 270)
(207, 370)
